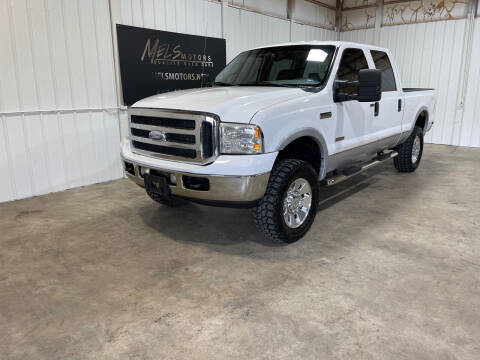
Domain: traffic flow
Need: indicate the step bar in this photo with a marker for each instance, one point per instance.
(345, 174)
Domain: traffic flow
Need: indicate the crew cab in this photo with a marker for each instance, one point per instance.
(278, 123)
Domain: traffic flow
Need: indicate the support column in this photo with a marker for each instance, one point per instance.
(115, 17)
(223, 16)
(291, 17)
(338, 19)
(378, 22)
(464, 71)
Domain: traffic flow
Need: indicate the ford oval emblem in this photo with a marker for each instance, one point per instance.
(157, 135)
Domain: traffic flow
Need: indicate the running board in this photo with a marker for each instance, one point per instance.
(347, 173)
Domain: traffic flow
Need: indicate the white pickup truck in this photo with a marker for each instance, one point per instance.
(278, 122)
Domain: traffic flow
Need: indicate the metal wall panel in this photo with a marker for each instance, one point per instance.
(58, 121)
(470, 126)
(311, 13)
(430, 55)
(196, 17)
(273, 7)
(365, 36)
(246, 29)
(58, 103)
(307, 32)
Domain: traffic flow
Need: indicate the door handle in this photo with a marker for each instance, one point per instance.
(377, 108)
(399, 105)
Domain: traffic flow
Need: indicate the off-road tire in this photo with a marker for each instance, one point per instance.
(268, 215)
(168, 200)
(403, 161)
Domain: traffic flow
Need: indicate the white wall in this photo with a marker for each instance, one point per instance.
(470, 126)
(246, 29)
(307, 32)
(58, 122)
(197, 17)
(430, 55)
(59, 115)
(271, 7)
(361, 36)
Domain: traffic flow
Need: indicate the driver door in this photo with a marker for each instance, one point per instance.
(353, 117)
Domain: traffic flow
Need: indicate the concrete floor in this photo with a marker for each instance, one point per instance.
(389, 270)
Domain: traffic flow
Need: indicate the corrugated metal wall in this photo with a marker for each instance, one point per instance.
(58, 122)
(470, 126)
(246, 29)
(430, 55)
(197, 17)
(306, 32)
(361, 36)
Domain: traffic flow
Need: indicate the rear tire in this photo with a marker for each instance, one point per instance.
(289, 206)
(410, 152)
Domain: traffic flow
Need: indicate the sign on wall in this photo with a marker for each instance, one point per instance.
(154, 61)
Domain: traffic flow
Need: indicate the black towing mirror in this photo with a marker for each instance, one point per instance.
(369, 87)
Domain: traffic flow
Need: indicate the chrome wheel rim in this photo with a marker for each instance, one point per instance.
(416, 149)
(297, 203)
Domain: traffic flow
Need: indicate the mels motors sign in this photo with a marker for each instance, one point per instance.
(154, 61)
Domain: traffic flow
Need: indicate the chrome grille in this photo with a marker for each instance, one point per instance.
(174, 135)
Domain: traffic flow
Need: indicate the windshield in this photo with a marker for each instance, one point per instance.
(279, 66)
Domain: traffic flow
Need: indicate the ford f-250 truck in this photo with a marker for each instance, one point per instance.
(278, 122)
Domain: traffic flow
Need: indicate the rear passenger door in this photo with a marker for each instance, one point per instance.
(387, 119)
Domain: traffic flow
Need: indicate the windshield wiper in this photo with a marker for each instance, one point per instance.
(221, 83)
(264, 83)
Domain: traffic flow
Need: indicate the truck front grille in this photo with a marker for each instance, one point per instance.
(174, 135)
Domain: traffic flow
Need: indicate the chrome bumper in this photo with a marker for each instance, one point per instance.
(222, 188)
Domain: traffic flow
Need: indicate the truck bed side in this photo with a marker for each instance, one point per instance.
(417, 102)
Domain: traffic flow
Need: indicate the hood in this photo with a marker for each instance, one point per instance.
(232, 103)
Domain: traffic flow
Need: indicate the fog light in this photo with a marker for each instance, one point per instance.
(173, 179)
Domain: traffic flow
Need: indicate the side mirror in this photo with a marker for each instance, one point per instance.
(368, 87)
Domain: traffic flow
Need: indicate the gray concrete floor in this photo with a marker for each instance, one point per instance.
(389, 270)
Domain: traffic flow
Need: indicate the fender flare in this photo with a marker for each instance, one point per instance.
(422, 109)
(319, 139)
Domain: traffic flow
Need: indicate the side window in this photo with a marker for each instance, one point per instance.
(382, 62)
(353, 60)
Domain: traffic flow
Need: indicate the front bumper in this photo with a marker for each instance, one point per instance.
(221, 188)
(234, 180)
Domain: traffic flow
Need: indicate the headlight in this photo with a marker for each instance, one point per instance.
(240, 139)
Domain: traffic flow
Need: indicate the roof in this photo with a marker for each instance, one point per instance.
(317, 42)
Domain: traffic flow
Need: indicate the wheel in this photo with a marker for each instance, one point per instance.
(166, 199)
(289, 206)
(410, 152)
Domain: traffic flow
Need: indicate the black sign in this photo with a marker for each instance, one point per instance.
(154, 61)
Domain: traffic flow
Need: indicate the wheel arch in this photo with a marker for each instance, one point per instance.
(307, 137)
(422, 118)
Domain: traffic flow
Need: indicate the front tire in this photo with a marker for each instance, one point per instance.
(410, 152)
(289, 206)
